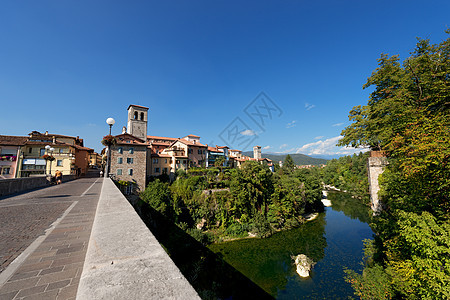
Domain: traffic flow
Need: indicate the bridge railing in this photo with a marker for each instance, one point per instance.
(124, 259)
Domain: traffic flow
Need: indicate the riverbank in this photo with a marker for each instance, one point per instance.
(333, 240)
(220, 238)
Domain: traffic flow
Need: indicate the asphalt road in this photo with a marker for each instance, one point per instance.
(26, 216)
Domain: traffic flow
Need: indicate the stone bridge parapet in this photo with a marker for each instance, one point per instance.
(124, 259)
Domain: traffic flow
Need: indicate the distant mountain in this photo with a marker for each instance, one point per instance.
(299, 159)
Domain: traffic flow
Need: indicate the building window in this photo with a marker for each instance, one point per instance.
(165, 161)
(165, 171)
(129, 160)
(157, 151)
(135, 115)
(59, 163)
(130, 171)
(41, 151)
(61, 150)
(119, 171)
(120, 150)
(156, 170)
(155, 160)
(199, 151)
(129, 189)
(119, 160)
(142, 116)
(5, 171)
(190, 151)
(131, 151)
(29, 150)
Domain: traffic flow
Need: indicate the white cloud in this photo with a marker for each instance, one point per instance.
(319, 137)
(337, 124)
(266, 147)
(291, 124)
(248, 132)
(309, 106)
(292, 150)
(283, 146)
(328, 147)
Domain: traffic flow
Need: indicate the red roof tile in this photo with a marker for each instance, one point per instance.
(11, 140)
(136, 106)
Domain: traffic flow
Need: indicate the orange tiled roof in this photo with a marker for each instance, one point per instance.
(12, 140)
(127, 139)
(214, 149)
(136, 106)
(191, 143)
(154, 137)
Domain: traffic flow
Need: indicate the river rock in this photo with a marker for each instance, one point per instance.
(311, 216)
(202, 224)
(326, 202)
(304, 264)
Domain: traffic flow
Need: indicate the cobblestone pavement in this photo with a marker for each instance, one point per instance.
(52, 270)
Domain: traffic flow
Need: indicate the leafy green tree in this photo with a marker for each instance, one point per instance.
(407, 116)
(219, 162)
(288, 164)
(157, 195)
(349, 173)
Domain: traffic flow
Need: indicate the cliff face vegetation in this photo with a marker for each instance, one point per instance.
(210, 204)
(349, 173)
(408, 118)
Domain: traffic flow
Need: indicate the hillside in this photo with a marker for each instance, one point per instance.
(299, 159)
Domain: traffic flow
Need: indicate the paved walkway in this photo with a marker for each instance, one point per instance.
(46, 266)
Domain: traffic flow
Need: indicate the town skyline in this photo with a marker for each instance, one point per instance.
(199, 66)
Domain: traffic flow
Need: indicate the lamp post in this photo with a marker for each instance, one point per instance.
(110, 122)
(50, 150)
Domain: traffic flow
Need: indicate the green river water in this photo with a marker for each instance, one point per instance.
(334, 240)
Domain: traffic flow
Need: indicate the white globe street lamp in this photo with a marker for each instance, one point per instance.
(50, 150)
(110, 122)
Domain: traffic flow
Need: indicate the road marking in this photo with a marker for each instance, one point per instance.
(16, 263)
(87, 190)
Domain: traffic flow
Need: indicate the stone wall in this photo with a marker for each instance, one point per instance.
(124, 260)
(17, 185)
(375, 167)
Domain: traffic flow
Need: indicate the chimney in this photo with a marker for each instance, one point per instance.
(46, 132)
(54, 138)
(124, 130)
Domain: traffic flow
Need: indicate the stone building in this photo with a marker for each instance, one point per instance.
(129, 161)
(136, 156)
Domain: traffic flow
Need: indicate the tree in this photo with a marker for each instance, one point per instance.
(157, 195)
(288, 164)
(408, 117)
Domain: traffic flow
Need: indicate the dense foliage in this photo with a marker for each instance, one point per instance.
(235, 202)
(349, 173)
(299, 159)
(408, 117)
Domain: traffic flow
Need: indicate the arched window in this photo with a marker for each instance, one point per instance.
(142, 116)
(135, 115)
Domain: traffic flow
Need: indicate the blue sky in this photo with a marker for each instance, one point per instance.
(280, 74)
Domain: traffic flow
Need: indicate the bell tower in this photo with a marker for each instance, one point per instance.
(257, 152)
(137, 121)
